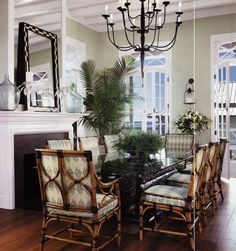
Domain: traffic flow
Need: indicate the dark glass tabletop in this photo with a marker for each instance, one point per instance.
(114, 165)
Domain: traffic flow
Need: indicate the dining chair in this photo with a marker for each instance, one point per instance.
(110, 141)
(89, 144)
(217, 176)
(75, 198)
(62, 144)
(207, 187)
(176, 203)
(182, 178)
(179, 145)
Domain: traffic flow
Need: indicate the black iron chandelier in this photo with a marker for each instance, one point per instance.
(151, 19)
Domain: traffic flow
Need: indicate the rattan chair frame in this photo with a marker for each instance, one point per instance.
(207, 188)
(217, 176)
(92, 225)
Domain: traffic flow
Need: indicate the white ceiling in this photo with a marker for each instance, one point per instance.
(46, 14)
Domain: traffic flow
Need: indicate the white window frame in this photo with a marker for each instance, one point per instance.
(167, 68)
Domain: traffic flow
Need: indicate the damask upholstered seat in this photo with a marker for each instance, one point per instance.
(73, 195)
(179, 145)
(110, 141)
(89, 144)
(177, 203)
(179, 180)
(62, 144)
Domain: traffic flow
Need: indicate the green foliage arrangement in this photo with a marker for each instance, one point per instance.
(138, 142)
(106, 96)
(192, 122)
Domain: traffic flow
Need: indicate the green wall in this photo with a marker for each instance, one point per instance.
(40, 57)
(88, 36)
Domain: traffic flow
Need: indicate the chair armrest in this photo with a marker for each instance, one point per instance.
(113, 185)
(156, 180)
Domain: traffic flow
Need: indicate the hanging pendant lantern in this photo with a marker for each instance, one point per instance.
(189, 97)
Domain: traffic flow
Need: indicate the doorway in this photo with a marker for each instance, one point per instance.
(224, 97)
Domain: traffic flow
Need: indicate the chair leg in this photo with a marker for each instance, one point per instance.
(141, 222)
(43, 233)
(119, 228)
(95, 236)
(190, 230)
(198, 215)
(220, 187)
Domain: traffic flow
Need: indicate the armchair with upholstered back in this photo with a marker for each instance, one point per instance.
(110, 141)
(73, 195)
(61, 144)
(179, 145)
(89, 144)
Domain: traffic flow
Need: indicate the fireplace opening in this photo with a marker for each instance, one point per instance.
(27, 191)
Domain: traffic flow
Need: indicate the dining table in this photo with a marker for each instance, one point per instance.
(136, 173)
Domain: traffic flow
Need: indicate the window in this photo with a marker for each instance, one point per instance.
(150, 110)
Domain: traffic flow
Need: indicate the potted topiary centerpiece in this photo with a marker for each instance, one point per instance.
(139, 143)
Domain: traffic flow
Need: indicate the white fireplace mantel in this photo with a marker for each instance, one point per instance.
(17, 123)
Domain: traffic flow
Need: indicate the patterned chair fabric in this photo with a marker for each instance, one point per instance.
(110, 141)
(179, 180)
(168, 195)
(183, 202)
(89, 144)
(179, 145)
(62, 144)
(72, 192)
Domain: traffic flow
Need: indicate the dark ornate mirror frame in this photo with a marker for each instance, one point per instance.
(23, 60)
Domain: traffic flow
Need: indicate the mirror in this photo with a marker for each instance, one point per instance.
(42, 78)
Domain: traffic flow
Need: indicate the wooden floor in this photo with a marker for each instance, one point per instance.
(20, 230)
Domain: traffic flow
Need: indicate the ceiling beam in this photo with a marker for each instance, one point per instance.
(39, 9)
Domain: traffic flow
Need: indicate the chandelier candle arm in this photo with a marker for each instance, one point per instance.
(126, 29)
(171, 43)
(155, 32)
(150, 20)
(121, 48)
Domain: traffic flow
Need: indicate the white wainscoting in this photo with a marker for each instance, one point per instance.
(18, 123)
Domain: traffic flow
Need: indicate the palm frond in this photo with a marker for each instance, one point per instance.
(88, 75)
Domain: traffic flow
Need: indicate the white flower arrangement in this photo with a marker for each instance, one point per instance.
(30, 88)
(192, 122)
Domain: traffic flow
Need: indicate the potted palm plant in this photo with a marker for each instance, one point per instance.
(106, 96)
